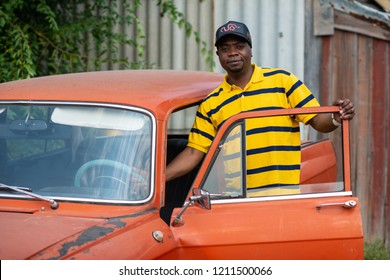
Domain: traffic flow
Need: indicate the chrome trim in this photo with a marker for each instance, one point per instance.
(108, 105)
(279, 197)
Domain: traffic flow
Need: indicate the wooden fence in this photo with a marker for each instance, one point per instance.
(354, 62)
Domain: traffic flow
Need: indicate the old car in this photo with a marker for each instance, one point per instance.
(82, 176)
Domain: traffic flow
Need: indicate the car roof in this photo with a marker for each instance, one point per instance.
(159, 91)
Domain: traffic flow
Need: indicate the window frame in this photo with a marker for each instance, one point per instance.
(105, 105)
(215, 149)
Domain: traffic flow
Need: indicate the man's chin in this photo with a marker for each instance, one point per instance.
(235, 70)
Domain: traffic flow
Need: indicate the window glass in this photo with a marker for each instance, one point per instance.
(226, 175)
(276, 160)
(77, 152)
(181, 121)
(21, 148)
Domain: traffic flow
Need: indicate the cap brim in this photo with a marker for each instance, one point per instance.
(233, 34)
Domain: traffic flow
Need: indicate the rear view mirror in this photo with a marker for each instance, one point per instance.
(99, 117)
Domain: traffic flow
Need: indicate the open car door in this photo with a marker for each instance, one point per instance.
(316, 219)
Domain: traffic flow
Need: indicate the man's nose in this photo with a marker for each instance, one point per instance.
(233, 51)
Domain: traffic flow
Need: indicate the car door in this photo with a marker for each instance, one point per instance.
(317, 219)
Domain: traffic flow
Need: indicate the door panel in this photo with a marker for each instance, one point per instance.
(285, 229)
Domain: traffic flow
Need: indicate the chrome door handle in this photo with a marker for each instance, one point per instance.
(347, 204)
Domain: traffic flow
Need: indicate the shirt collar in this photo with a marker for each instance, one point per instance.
(257, 77)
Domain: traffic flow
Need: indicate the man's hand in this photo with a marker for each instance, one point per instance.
(347, 109)
(324, 123)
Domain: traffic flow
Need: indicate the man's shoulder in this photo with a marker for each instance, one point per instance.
(216, 92)
(269, 72)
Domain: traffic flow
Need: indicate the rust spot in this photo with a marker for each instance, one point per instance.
(97, 232)
(91, 234)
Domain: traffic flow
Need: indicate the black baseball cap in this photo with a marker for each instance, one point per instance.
(233, 28)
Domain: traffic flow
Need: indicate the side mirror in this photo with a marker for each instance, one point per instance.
(200, 198)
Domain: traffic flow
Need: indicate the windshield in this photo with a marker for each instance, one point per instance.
(76, 152)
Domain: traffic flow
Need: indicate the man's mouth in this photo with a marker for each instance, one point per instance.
(234, 61)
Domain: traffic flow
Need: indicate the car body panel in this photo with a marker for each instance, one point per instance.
(225, 233)
(128, 237)
(30, 228)
(312, 224)
(159, 91)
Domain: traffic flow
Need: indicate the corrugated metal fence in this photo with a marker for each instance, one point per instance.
(166, 45)
(277, 30)
(276, 26)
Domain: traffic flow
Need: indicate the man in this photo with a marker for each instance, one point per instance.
(249, 87)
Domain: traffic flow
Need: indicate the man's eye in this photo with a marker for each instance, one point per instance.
(240, 47)
(224, 49)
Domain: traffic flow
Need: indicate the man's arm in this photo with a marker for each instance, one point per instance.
(183, 163)
(324, 123)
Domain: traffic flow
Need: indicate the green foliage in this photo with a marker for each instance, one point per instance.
(168, 7)
(376, 251)
(44, 37)
(15, 50)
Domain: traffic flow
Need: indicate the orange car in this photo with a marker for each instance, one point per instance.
(82, 176)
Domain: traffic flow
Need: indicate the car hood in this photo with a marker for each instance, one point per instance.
(25, 235)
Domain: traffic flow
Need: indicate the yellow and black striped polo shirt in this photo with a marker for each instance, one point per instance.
(273, 144)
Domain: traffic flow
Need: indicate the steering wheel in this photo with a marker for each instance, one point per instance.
(108, 163)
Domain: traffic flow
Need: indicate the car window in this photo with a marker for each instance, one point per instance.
(226, 175)
(77, 152)
(311, 166)
(181, 121)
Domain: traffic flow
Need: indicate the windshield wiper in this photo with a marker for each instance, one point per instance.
(27, 191)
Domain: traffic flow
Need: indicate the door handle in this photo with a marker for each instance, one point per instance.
(347, 204)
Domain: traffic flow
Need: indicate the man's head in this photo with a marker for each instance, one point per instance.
(233, 28)
(234, 48)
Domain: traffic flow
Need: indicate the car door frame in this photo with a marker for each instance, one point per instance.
(304, 226)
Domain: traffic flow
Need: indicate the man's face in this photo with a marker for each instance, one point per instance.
(234, 54)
